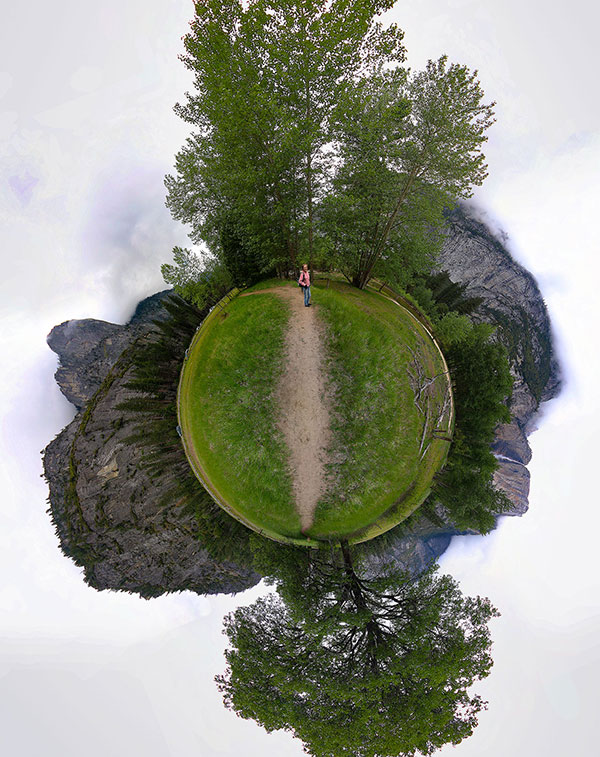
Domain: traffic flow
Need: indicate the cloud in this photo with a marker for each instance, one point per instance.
(86, 134)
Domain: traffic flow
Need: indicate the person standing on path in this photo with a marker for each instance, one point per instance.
(304, 282)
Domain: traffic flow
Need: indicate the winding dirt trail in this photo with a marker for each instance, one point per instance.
(304, 401)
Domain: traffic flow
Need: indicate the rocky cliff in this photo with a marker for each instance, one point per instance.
(510, 298)
(111, 517)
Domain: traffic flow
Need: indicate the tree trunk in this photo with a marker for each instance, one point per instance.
(310, 207)
(372, 629)
(309, 156)
(380, 244)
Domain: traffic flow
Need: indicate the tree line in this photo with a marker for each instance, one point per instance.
(356, 665)
(482, 385)
(313, 142)
(152, 406)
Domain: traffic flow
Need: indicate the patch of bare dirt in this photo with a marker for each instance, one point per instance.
(305, 404)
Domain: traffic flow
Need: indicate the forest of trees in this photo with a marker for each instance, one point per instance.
(482, 384)
(313, 142)
(156, 362)
(349, 663)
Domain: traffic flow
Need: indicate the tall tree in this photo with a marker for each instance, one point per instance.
(410, 145)
(355, 666)
(268, 75)
(199, 281)
(482, 384)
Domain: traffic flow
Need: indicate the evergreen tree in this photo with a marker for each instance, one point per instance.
(482, 383)
(356, 666)
(156, 362)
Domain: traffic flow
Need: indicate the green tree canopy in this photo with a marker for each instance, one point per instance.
(311, 139)
(199, 282)
(482, 384)
(410, 145)
(268, 75)
(356, 666)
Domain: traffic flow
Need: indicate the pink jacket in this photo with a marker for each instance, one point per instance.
(304, 279)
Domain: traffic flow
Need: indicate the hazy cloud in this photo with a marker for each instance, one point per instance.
(86, 134)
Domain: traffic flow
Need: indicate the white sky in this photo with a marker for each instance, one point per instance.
(86, 135)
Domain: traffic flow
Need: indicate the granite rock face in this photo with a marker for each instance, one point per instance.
(474, 256)
(511, 299)
(97, 344)
(109, 515)
(87, 348)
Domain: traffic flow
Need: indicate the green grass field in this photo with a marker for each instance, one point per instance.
(384, 453)
(380, 362)
(227, 414)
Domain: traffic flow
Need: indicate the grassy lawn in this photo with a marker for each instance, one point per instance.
(380, 364)
(228, 417)
(383, 452)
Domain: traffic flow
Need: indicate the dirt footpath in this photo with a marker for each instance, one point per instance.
(304, 402)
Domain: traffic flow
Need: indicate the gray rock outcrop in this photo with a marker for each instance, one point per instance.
(511, 299)
(109, 515)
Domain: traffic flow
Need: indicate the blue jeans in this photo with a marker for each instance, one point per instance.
(306, 295)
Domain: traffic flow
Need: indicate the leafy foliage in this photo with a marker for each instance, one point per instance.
(240, 256)
(198, 282)
(268, 76)
(410, 145)
(482, 382)
(356, 666)
(437, 294)
(312, 142)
